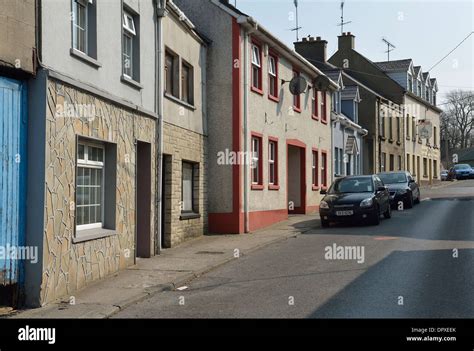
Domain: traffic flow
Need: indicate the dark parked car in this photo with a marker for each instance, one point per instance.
(460, 171)
(402, 187)
(355, 198)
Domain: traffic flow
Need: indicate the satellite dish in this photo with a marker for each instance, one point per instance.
(321, 83)
(298, 85)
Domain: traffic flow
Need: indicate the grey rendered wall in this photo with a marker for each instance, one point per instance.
(181, 42)
(217, 26)
(35, 184)
(57, 42)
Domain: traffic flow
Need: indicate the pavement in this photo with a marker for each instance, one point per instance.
(418, 264)
(171, 270)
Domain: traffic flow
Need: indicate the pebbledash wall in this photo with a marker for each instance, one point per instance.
(184, 131)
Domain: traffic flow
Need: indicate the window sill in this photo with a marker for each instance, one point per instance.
(257, 90)
(315, 188)
(316, 118)
(297, 109)
(324, 121)
(85, 58)
(92, 234)
(390, 140)
(273, 187)
(273, 98)
(133, 83)
(257, 187)
(399, 142)
(408, 138)
(189, 215)
(180, 102)
(383, 138)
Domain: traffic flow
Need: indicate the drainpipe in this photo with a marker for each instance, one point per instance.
(249, 27)
(159, 91)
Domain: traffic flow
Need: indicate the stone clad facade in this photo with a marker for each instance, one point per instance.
(69, 265)
(184, 213)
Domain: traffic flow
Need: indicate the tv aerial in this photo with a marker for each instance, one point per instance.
(390, 47)
(342, 18)
(297, 28)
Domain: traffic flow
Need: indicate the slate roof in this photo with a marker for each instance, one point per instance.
(397, 65)
(349, 92)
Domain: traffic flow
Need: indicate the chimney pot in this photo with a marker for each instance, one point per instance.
(311, 38)
(318, 38)
(304, 39)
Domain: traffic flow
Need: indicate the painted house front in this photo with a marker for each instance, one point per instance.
(17, 68)
(92, 164)
(269, 150)
(422, 156)
(184, 181)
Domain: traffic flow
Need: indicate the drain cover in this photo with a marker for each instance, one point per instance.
(209, 253)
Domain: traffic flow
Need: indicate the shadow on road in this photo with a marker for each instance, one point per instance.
(409, 284)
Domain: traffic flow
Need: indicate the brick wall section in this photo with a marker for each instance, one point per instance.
(183, 145)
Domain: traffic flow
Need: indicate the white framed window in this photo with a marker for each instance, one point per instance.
(256, 67)
(256, 154)
(187, 188)
(129, 34)
(272, 162)
(272, 76)
(80, 25)
(90, 185)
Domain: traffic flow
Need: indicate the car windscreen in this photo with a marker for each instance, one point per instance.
(352, 185)
(393, 178)
(462, 167)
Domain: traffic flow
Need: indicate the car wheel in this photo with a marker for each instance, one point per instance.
(388, 214)
(376, 217)
(418, 199)
(409, 201)
(324, 223)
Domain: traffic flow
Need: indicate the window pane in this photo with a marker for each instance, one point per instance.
(187, 187)
(185, 83)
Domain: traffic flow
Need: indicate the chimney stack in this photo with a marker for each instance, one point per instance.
(346, 41)
(313, 49)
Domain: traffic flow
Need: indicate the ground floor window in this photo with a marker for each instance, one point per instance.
(392, 162)
(383, 161)
(90, 185)
(324, 171)
(314, 169)
(425, 167)
(189, 187)
(435, 169)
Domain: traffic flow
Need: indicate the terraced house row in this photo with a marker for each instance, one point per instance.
(130, 127)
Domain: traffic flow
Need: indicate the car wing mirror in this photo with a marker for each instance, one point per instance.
(323, 192)
(381, 188)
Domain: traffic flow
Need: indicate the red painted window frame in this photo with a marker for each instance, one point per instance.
(324, 111)
(315, 112)
(276, 97)
(276, 184)
(297, 106)
(258, 90)
(315, 177)
(324, 176)
(259, 185)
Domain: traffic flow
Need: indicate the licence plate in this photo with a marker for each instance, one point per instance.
(344, 213)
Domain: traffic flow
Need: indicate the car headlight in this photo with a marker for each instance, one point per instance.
(323, 204)
(367, 202)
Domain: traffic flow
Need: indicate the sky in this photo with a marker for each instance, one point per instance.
(424, 31)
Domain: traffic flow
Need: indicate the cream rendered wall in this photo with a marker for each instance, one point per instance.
(279, 120)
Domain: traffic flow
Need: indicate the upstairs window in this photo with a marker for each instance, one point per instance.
(323, 106)
(315, 106)
(171, 74)
(84, 31)
(130, 50)
(273, 76)
(256, 68)
(187, 73)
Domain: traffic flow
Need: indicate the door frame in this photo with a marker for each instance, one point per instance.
(302, 146)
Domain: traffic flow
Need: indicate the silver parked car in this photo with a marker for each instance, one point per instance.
(444, 175)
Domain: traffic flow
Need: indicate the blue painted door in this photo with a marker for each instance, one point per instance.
(13, 128)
